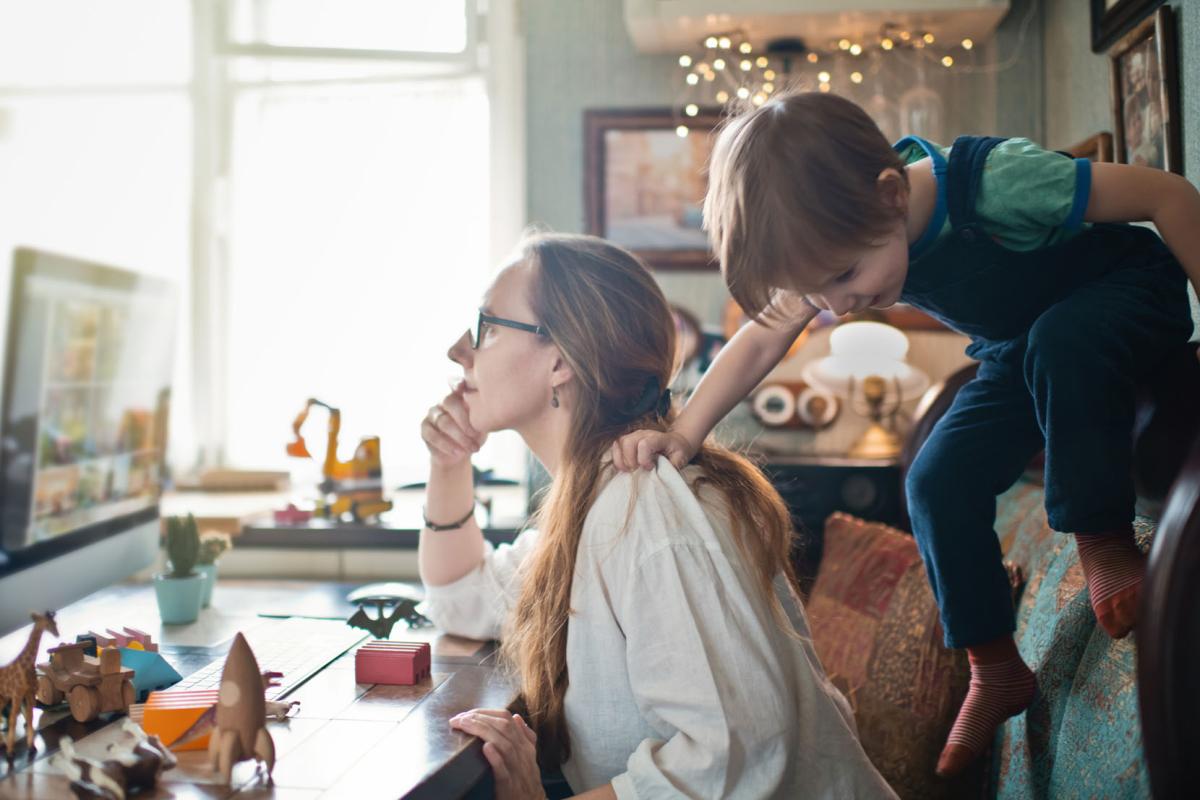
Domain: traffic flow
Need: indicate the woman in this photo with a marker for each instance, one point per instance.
(649, 618)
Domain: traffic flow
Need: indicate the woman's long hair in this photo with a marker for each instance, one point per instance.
(613, 327)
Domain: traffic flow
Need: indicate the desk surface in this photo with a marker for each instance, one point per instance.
(233, 512)
(348, 739)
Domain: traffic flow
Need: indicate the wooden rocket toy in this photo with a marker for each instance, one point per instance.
(241, 731)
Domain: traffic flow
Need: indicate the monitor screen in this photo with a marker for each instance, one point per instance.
(87, 375)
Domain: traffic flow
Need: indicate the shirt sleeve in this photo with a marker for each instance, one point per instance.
(477, 604)
(1029, 196)
(724, 731)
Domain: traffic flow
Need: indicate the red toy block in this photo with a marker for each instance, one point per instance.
(292, 515)
(422, 650)
(397, 663)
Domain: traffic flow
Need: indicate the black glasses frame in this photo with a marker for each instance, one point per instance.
(487, 319)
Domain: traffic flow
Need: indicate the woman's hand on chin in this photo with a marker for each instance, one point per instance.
(447, 431)
(510, 746)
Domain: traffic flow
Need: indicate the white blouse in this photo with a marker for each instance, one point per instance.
(681, 683)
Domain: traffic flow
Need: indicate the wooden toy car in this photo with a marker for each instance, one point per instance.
(90, 685)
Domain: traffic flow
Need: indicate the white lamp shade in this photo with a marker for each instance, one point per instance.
(863, 349)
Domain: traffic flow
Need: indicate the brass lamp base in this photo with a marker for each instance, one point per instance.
(876, 442)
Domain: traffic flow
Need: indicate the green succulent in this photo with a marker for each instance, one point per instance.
(212, 545)
(183, 545)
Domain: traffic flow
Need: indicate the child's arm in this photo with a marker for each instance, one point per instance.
(739, 367)
(1126, 193)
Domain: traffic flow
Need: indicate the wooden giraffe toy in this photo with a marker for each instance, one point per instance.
(18, 682)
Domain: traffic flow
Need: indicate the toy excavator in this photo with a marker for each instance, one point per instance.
(352, 487)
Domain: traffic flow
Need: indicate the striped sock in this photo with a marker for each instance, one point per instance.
(999, 690)
(1113, 567)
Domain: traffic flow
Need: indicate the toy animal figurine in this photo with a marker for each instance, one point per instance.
(241, 714)
(18, 683)
(119, 774)
(380, 626)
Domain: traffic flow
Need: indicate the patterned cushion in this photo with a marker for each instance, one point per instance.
(875, 626)
(1081, 737)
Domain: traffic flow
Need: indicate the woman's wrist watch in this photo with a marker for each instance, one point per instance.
(449, 526)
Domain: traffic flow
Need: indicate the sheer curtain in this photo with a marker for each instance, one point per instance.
(314, 176)
(358, 249)
(95, 147)
(354, 214)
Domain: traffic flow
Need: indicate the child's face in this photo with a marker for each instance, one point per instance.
(872, 277)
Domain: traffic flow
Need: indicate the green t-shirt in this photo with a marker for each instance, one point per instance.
(1028, 197)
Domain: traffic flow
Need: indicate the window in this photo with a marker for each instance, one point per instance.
(316, 176)
(95, 148)
(355, 219)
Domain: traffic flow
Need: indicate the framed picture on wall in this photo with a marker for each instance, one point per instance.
(1094, 148)
(1145, 94)
(644, 183)
(1112, 18)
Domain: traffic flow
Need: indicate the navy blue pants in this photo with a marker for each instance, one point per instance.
(1067, 386)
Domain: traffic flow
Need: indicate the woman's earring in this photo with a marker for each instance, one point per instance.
(554, 397)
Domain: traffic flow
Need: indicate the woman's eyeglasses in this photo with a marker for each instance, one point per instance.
(485, 319)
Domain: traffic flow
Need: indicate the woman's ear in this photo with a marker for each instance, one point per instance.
(893, 189)
(560, 371)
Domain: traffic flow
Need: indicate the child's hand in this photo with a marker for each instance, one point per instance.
(641, 448)
(447, 431)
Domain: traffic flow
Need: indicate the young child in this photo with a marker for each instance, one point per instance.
(1020, 248)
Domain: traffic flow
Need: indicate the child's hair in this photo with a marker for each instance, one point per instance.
(792, 188)
(614, 328)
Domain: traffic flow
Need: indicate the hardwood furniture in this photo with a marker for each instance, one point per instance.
(248, 517)
(348, 739)
(1168, 656)
(816, 486)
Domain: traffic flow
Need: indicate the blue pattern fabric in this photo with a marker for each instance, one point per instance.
(1082, 735)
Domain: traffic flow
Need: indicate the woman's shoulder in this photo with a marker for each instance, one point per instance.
(647, 510)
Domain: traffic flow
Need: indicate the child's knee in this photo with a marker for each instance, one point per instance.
(926, 477)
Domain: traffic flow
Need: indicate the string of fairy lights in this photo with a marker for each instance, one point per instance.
(730, 69)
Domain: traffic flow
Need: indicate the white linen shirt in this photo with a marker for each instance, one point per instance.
(681, 682)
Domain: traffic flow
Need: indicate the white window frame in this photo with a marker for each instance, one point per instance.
(494, 48)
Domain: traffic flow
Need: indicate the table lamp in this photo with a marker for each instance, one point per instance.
(866, 363)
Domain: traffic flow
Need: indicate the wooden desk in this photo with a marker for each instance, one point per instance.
(348, 740)
(248, 517)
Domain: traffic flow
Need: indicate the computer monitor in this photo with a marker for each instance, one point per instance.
(83, 421)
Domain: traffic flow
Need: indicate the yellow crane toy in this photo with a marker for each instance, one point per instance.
(353, 487)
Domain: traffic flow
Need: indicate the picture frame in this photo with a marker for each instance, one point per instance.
(1144, 81)
(644, 184)
(1113, 18)
(1098, 147)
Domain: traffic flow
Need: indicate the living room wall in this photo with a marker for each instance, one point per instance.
(580, 56)
(1077, 80)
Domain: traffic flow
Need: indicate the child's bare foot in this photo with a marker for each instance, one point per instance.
(1114, 568)
(1002, 686)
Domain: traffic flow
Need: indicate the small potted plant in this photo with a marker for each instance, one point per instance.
(180, 590)
(212, 545)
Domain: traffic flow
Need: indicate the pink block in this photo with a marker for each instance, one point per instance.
(421, 649)
(400, 671)
(397, 663)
